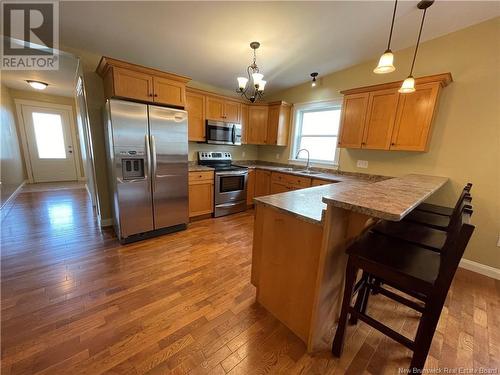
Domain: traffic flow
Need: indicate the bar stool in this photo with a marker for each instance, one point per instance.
(442, 210)
(414, 270)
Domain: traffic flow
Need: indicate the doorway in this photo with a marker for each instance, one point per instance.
(49, 142)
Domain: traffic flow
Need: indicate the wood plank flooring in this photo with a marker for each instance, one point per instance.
(75, 301)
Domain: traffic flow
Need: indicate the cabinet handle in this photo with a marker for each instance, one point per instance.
(363, 143)
(156, 95)
(150, 94)
(393, 144)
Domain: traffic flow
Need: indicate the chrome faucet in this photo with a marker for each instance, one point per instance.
(298, 152)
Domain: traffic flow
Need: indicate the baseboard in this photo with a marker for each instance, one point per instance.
(480, 268)
(82, 179)
(4, 210)
(106, 222)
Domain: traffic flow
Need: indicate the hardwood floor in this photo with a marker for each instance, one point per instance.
(75, 301)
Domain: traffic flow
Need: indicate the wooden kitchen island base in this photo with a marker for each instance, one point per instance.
(298, 268)
(299, 259)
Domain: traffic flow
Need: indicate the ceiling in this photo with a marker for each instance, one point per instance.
(209, 41)
(61, 82)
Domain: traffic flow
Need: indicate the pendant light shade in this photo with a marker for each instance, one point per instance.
(242, 82)
(386, 62)
(408, 86)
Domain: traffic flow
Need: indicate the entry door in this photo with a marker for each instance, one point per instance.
(50, 147)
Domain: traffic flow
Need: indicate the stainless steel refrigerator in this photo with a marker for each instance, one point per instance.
(147, 149)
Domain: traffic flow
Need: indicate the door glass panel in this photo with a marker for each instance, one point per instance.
(49, 135)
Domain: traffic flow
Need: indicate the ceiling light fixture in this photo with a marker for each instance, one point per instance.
(408, 85)
(37, 85)
(386, 62)
(255, 90)
(313, 82)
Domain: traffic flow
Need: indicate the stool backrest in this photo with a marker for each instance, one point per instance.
(453, 250)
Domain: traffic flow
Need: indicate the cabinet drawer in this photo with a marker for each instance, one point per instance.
(204, 176)
(291, 179)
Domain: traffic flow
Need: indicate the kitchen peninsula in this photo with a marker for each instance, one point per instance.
(300, 237)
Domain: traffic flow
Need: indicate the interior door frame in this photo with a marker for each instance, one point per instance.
(24, 139)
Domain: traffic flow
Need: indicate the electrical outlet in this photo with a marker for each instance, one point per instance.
(362, 164)
(243, 154)
(277, 156)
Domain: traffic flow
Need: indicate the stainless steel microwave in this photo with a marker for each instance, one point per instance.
(223, 133)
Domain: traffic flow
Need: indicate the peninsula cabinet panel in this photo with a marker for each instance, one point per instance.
(353, 120)
(257, 124)
(262, 182)
(169, 92)
(195, 107)
(131, 84)
(414, 118)
(380, 117)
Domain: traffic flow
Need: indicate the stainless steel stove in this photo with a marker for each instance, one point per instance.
(230, 185)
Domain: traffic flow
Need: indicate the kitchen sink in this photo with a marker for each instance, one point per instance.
(284, 169)
(310, 172)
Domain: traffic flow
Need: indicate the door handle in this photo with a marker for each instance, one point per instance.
(148, 155)
(153, 163)
(234, 134)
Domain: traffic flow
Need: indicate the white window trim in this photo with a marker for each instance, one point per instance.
(295, 127)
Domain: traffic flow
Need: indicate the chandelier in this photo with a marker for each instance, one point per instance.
(255, 90)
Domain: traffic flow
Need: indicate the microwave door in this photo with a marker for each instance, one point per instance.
(219, 133)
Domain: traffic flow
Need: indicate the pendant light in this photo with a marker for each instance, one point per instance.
(252, 88)
(386, 62)
(408, 85)
(313, 82)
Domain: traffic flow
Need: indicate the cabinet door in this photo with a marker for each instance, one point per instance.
(257, 123)
(232, 111)
(250, 186)
(279, 187)
(353, 120)
(273, 119)
(380, 117)
(201, 197)
(318, 182)
(244, 123)
(132, 84)
(414, 118)
(283, 125)
(262, 182)
(167, 91)
(214, 108)
(195, 106)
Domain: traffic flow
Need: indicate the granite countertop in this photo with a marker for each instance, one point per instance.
(194, 167)
(307, 203)
(391, 199)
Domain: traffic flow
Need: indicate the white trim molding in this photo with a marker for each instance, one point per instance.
(106, 222)
(480, 268)
(7, 205)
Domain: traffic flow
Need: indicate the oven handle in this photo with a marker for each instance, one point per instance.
(228, 204)
(234, 134)
(225, 174)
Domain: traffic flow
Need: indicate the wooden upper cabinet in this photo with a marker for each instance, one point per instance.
(257, 124)
(136, 82)
(215, 108)
(380, 116)
(353, 120)
(244, 123)
(232, 111)
(167, 91)
(195, 107)
(414, 118)
(220, 109)
(278, 123)
(131, 84)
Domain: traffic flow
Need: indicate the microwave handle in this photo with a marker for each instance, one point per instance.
(234, 134)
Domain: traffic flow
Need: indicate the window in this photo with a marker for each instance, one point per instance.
(316, 128)
(49, 135)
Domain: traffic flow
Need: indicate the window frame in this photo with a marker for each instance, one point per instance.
(297, 116)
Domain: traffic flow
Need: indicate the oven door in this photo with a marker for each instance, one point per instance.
(230, 187)
(220, 133)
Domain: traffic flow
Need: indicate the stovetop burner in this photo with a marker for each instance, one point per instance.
(229, 168)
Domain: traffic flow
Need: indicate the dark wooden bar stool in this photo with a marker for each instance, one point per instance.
(422, 235)
(437, 220)
(442, 210)
(414, 270)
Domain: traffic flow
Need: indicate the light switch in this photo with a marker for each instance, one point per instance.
(362, 164)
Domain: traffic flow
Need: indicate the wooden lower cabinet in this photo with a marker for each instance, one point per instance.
(318, 182)
(201, 193)
(279, 187)
(262, 183)
(250, 186)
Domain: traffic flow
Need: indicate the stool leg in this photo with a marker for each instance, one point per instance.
(361, 298)
(425, 333)
(350, 279)
(364, 305)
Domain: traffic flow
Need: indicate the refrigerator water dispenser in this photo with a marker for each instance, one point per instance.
(132, 168)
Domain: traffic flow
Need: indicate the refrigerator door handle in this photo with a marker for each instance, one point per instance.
(148, 155)
(153, 163)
